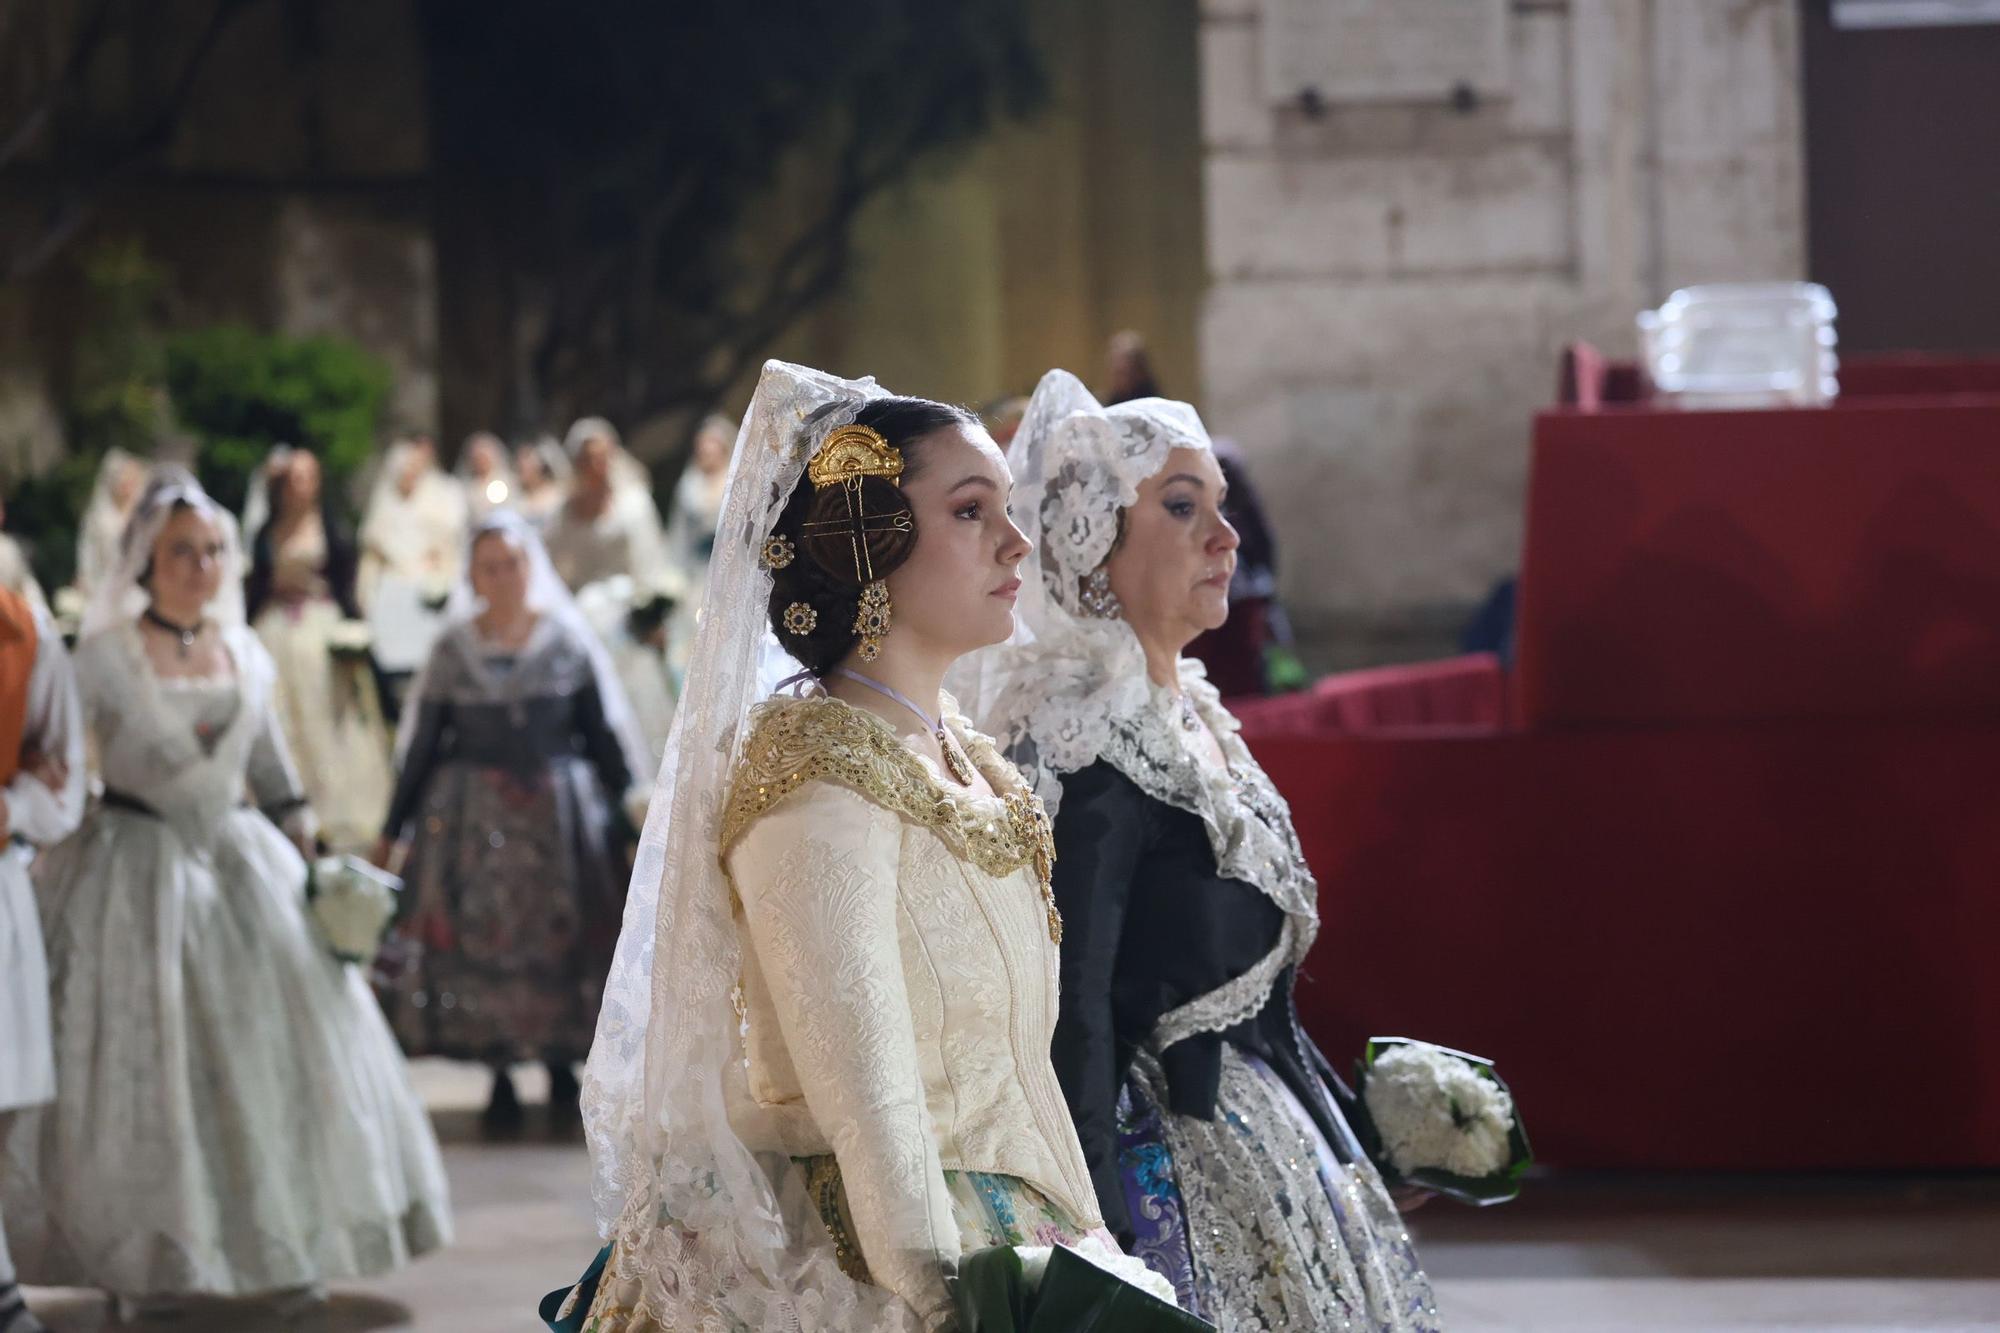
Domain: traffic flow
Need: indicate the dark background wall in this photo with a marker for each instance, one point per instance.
(1903, 182)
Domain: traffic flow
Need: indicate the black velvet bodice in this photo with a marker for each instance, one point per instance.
(1149, 924)
(522, 735)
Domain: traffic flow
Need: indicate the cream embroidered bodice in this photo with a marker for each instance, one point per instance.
(899, 980)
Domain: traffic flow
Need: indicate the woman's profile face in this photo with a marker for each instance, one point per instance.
(1176, 553)
(187, 560)
(957, 590)
(500, 574)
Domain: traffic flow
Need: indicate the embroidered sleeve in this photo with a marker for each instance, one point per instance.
(817, 878)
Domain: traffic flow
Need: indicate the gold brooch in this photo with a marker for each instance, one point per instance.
(778, 552)
(801, 619)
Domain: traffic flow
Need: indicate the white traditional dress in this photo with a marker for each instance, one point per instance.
(50, 724)
(614, 561)
(325, 695)
(231, 1113)
(39, 717)
(624, 539)
(821, 1073)
(412, 546)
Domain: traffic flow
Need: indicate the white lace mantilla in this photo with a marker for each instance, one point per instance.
(1049, 695)
(1071, 688)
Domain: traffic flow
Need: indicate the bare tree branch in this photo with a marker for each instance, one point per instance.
(80, 195)
(37, 116)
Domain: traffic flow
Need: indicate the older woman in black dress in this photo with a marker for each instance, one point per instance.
(1209, 1119)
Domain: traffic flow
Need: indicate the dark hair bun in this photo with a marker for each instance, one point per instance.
(888, 531)
(826, 579)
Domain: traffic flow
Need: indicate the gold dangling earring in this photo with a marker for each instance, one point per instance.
(871, 619)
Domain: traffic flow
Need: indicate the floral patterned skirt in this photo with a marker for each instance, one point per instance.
(989, 1209)
(1153, 1197)
(1255, 1220)
(515, 887)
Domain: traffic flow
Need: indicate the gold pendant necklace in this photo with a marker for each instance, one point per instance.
(954, 758)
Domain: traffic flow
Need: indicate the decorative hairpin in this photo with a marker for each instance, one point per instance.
(851, 453)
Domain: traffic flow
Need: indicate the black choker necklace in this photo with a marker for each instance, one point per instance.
(185, 633)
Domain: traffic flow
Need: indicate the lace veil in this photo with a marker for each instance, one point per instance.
(120, 597)
(257, 501)
(1050, 694)
(550, 599)
(1070, 688)
(718, 1235)
(103, 524)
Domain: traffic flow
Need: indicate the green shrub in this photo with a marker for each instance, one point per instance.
(239, 392)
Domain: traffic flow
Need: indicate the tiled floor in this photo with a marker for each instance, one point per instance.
(1692, 1256)
(1721, 1255)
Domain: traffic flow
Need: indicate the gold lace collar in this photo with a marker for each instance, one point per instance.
(796, 741)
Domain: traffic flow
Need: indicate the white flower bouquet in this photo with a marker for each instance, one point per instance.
(1440, 1120)
(352, 903)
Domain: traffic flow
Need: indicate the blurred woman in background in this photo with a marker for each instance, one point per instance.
(300, 599)
(120, 479)
(542, 471)
(485, 473)
(231, 1115)
(517, 753)
(608, 524)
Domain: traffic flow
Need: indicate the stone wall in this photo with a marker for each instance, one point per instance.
(1390, 284)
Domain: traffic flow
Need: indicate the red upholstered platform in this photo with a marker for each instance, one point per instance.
(1463, 694)
(1706, 947)
(1727, 895)
(1836, 563)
